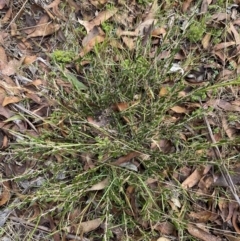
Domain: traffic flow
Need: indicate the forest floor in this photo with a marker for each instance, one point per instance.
(119, 120)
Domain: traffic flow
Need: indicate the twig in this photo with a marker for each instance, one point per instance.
(17, 15)
(223, 169)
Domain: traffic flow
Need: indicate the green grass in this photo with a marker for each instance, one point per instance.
(66, 136)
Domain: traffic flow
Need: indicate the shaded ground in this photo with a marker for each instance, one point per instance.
(119, 120)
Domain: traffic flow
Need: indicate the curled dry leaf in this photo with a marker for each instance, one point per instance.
(99, 186)
(193, 179)
(202, 235)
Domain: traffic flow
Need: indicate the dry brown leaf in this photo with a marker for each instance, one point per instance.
(33, 97)
(159, 31)
(163, 92)
(153, 10)
(220, 17)
(5, 195)
(3, 35)
(11, 67)
(55, 9)
(131, 199)
(96, 31)
(235, 34)
(116, 44)
(3, 58)
(36, 82)
(44, 28)
(99, 186)
(204, 6)
(163, 145)
(91, 43)
(186, 5)
(231, 237)
(232, 208)
(74, 5)
(193, 179)
(203, 216)
(97, 3)
(178, 109)
(55, 3)
(4, 111)
(221, 55)
(101, 17)
(199, 233)
(206, 40)
(164, 54)
(163, 239)
(129, 42)
(3, 3)
(235, 178)
(235, 221)
(56, 235)
(231, 132)
(7, 16)
(29, 59)
(5, 142)
(121, 106)
(126, 158)
(223, 45)
(222, 104)
(89, 226)
(165, 228)
(10, 99)
(121, 32)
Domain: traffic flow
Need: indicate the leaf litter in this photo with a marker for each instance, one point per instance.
(28, 100)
